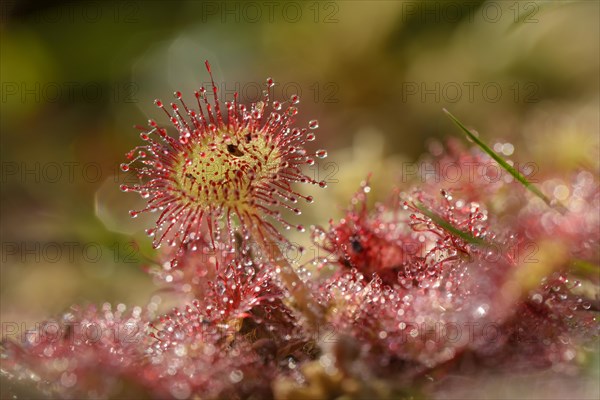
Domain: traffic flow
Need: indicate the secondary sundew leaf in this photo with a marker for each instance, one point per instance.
(448, 227)
(557, 205)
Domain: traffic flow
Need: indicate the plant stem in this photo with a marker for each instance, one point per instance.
(304, 301)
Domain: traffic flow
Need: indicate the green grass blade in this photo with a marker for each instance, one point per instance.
(511, 170)
(449, 227)
(585, 268)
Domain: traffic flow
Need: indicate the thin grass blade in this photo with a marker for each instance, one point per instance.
(511, 170)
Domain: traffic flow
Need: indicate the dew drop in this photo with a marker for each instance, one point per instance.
(508, 149)
(124, 167)
(48, 351)
(68, 379)
(321, 153)
(180, 390)
(270, 82)
(569, 354)
(537, 298)
(314, 124)
(236, 376)
(323, 184)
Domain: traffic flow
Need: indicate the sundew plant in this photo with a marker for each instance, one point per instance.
(442, 279)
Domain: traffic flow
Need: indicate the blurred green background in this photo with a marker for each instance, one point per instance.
(76, 77)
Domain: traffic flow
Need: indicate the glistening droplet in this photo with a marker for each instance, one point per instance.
(321, 153)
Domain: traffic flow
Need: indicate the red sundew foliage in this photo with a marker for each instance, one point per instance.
(237, 163)
(424, 315)
(402, 247)
(448, 300)
(192, 356)
(87, 353)
(468, 173)
(432, 277)
(546, 330)
(189, 271)
(204, 349)
(579, 227)
(242, 297)
(365, 241)
(410, 294)
(441, 246)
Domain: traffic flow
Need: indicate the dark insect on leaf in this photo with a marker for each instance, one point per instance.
(356, 245)
(234, 151)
